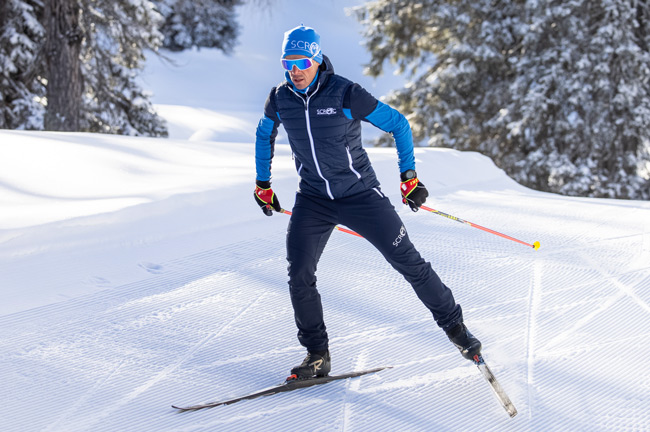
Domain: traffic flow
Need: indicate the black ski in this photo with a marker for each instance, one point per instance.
(501, 395)
(289, 385)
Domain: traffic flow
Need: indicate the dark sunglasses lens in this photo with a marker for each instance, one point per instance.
(301, 64)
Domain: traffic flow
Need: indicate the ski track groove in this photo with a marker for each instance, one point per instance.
(534, 303)
(352, 385)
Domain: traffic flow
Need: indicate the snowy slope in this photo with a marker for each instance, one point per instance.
(144, 275)
(138, 273)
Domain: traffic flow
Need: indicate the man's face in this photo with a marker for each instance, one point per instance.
(302, 78)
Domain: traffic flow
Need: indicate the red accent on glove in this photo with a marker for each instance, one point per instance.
(407, 187)
(265, 195)
(267, 200)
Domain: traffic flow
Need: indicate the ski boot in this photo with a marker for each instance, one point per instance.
(466, 343)
(315, 364)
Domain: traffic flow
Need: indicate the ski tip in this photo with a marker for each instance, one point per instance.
(190, 408)
(377, 369)
(536, 245)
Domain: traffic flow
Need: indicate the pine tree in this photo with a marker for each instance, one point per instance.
(96, 89)
(556, 92)
(582, 100)
(199, 23)
(22, 90)
(116, 33)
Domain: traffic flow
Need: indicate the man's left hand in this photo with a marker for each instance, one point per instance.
(266, 198)
(413, 191)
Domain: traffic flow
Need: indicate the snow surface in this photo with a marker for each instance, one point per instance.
(138, 273)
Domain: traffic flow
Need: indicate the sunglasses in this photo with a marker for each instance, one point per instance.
(301, 63)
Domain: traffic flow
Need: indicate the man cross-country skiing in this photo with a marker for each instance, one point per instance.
(321, 113)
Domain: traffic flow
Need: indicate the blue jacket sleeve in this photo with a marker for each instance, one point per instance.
(359, 104)
(267, 130)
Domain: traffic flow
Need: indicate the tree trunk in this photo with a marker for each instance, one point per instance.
(63, 45)
(4, 14)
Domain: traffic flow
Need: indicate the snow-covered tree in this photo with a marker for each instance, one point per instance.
(199, 23)
(72, 65)
(21, 82)
(556, 92)
(85, 55)
(116, 33)
(581, 100)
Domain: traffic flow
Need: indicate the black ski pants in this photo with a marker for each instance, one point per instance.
(371, 214)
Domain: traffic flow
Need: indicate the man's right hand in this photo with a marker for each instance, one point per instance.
(265, 198)
(413, 191)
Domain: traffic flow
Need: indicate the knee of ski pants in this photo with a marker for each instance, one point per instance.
(303, 253)
(302, 273)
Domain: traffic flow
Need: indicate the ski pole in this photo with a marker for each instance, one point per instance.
(345, 230)
(535, 245)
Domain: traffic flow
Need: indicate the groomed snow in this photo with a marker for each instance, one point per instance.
(143, 275)
(138, 273)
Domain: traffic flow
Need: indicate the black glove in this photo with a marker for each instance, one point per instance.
(413, 191)
(265, 198)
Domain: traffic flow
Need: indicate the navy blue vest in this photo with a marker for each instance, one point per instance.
(330, 159)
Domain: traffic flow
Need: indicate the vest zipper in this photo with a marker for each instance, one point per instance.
(311, 142)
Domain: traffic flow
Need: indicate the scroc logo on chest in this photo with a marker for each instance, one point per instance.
(326, 111)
